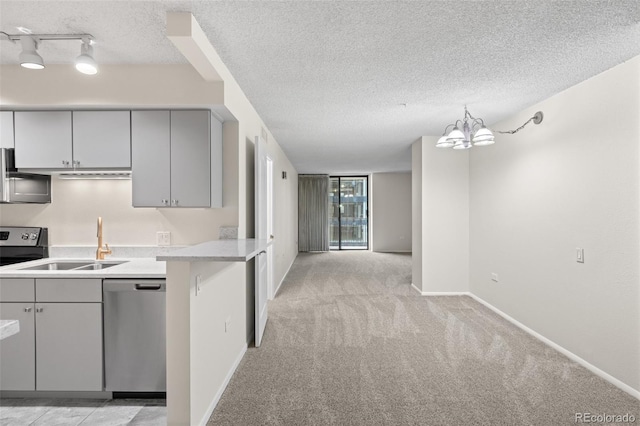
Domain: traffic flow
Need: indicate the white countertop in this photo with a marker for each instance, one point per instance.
(131, 268)
(218, 251)
(8, 328)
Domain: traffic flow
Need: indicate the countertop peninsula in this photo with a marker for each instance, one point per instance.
(218, 251)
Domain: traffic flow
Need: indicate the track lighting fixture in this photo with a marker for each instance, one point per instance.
(29, 57)
(85, 62)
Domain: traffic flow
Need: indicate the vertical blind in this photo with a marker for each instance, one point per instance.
(313, 212)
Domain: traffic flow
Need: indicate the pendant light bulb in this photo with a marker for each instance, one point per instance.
(85, 62)
(29, 57)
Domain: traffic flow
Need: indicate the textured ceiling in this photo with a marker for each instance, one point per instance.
(330, 78)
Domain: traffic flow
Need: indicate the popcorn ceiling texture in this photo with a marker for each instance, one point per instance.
(330, 79)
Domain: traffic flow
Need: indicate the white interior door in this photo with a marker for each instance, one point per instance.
(270, 257)
(262, 233)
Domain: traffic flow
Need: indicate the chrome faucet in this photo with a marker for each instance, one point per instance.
(101, 252)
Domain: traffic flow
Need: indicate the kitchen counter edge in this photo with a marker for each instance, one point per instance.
(218, 251)
(131, 268)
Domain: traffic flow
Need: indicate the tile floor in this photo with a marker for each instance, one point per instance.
(85, 412)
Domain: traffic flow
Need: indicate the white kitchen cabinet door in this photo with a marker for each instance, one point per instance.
(102, 139)
(69, 342)
(18, 352)
(190, 159)
(151, 158)
(6, 129)
(43, 139)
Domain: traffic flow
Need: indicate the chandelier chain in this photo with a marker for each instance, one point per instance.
(511, 132)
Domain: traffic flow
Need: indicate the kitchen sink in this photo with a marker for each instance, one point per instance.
(73, 266)
(98, 265)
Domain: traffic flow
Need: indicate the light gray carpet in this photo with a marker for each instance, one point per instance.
(350, 343)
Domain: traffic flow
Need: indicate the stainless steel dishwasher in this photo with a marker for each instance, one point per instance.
(134, 335)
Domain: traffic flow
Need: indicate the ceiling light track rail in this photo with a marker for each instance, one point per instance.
(42, 37)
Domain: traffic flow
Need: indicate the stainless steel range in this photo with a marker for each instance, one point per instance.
(21, 244)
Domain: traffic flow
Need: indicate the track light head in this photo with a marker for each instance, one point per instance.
(29, 57)
(85, 62)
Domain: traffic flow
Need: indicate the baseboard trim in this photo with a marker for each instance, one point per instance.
(226, 381)
(275, 293)
(440, 293)
(595, 370)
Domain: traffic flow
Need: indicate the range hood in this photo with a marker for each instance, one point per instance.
(17, 187)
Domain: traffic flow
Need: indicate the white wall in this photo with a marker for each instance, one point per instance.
(444, 210)
(391, 212)
(199, 348)
(572, 181)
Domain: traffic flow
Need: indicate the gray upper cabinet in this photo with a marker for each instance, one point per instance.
(150, 158)
(6, 129)
(172, 159)
(43, 139)
(102, 139)
(74, 140)
(190, 159)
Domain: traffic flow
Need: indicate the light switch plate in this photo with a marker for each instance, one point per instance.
(198, 283)
(163, 238)
(580, 255)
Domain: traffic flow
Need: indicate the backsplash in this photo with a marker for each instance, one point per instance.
(76, 204)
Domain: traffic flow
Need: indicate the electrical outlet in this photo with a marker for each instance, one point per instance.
(580, 255)
(163, 238)
(227, 324)
(198, 283)
(494, 277)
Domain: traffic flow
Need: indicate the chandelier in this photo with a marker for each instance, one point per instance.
(471, 131)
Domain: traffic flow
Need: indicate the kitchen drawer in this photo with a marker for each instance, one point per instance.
(17, 290)
(68, 290)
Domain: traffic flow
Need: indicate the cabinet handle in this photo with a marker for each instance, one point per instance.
(76, 163)
(39, 309)
(165, 202)
(174, 202)
(27, 309)
(65, 163)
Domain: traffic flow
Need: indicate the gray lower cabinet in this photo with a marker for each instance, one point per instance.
(59, 345)
(69, 346)
(17, 353)
(187, 144)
